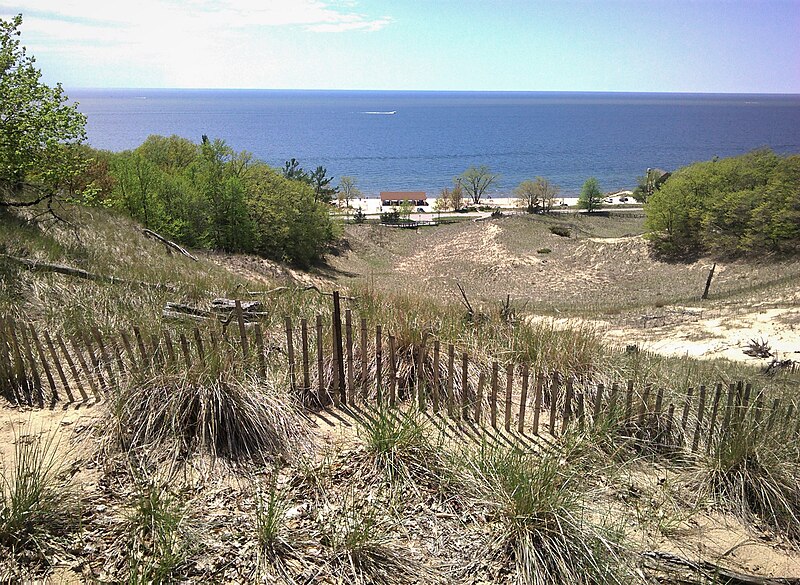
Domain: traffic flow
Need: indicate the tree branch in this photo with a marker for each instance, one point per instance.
(39, 266)
(169, 244)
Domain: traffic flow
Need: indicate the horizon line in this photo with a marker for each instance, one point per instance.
(542, 91)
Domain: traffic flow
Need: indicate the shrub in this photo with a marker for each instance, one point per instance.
(560, 230)
(543, 251)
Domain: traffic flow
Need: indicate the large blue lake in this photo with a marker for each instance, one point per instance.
(421, 140)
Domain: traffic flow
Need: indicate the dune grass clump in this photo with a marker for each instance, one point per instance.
(400, 446)
(221, 412)
(38, 505)
(360, 548)
(159, 544)
(754, 473)
(539, 504)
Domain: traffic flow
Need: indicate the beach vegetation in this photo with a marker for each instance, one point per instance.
(745, 205)
(649, 183)
(475, 181)
(348, 190)
(591, 197)
(536, 196)
(39, 128)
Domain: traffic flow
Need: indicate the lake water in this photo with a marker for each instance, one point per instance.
(419, 141)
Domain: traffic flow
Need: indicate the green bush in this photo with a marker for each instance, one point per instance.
(560, 230)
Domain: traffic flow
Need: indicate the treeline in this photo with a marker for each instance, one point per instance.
(738, 206)
(209, 196)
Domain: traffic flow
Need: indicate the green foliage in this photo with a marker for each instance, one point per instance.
(560, 230)
(734, 206)
(649, 183)
(475, 181)
(391, 217)
(210, 196)
(37, 126)
(359, 216)
(591, 196)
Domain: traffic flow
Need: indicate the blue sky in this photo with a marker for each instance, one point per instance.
(580, 45)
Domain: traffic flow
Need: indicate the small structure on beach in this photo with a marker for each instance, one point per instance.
(396, 198)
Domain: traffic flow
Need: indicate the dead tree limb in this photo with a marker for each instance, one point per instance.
(708, 281)
(169, 244)
(470, 310)
(670, 562)
(38, 266)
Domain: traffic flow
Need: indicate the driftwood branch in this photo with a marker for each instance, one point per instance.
(708, 281)
(669, 562)
(38, 266)
(169, 244)
(308, 287)
(470, 310)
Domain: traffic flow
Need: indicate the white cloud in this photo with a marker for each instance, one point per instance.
(313, 15)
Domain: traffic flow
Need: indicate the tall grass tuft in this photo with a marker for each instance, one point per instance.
(360, 548)
(539, 504)
(158, 545)
(38, 504)
(400, 446)
(223, 413)
(754, 473)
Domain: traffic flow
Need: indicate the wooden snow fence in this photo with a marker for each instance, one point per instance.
(341, 361)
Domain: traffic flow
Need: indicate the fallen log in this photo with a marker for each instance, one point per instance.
(39, 266)
(280, 289)
(168, 243)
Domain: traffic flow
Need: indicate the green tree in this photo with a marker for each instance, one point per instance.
(649, 183)
(475, 181)
(320, 181)
(37, 127)
(591, 196)
(537, 195)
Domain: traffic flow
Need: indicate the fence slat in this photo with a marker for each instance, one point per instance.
(567, 416)
(54, 354)
(289, 352)
(537, 405)
(493, 397)
(598, 404)
(77, 349)
(45, 366)
(378, 364)
(348, 327)
(21, 386)
(581, 414)
(169, 346)
(612, 402)
(126, 343)
(464, 385)
(320, 366)
(338, 350)
(262, 360)
(700, 413)
(242, 331)
(773, 413)
(364, 366)
(187, 356)
(509, 389)
(729, 405)
(435, 389)
(523, 399)
(644, 405)
(201, 351)
(95, 363)
(554, 387)
(140, 344)
(392, 374)
(479, 398)
(72, 368)
(421, 383)
(304, 343)
(714, 413)
(104, 356)
(37, 381)
(686, 405)
(451, 353)
(628, 402)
